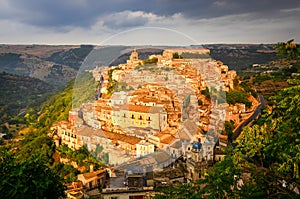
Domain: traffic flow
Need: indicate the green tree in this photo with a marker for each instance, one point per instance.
(238, 96)
(36, 144)
(290, 50)
(229, 127)
(176, 56)
(30, 178)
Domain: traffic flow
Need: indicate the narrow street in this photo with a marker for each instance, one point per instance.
(239, 129)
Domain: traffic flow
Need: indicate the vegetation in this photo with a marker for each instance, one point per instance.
(9, 60)
(73, 57)
(99, 154)
(229, 127)
(33, 171)
(25, 171)
(176, 56)
(84, 89)
(290, 50)
(241, 57)
(17, 95)
(186, 55)
(206, 93)
(150, 61)
(66, 171)
(81, 156)
(238, 96)
(269, 78)
(55, 109)
(29, 178)
(111, 82)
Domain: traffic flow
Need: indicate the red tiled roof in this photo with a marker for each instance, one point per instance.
(121, 137)
(93, 174)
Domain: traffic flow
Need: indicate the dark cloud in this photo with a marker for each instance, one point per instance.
(56, 13)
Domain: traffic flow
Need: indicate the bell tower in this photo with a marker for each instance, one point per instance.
(134, 56)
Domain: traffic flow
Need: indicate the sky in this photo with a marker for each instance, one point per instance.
(165, 22)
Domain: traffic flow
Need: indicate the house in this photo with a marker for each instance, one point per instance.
(89, 115)
(94, 179)
(144, 148)
(64, 133)
(129, 115)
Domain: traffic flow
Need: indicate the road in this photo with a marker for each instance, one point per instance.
(257, 111)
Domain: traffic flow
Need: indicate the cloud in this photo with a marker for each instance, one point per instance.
(128, 19)
(78, 21)
(84, 13)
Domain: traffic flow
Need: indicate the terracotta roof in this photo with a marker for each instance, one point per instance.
(121, 137)
(89, 131)
(84, 131)
(104, 107)
(165, 138)
(140, 108)
(223, 137)
(93, 174)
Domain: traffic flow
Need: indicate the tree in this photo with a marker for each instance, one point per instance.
(176, 56)
(30, 178)
(206, 93)
(238, 96)
(229, 127)
(290, 50)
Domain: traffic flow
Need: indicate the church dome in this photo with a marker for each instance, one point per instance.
(197, 146)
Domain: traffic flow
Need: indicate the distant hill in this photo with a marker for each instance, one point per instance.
(55, 65)
(17, 93)
(241, 56)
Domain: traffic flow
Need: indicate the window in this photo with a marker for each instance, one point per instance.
(114, 197)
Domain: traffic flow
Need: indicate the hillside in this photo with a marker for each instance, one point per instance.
(242, 56)
(55, 65)
(17, 93)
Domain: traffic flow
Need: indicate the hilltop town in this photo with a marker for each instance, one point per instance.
(148, 114)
